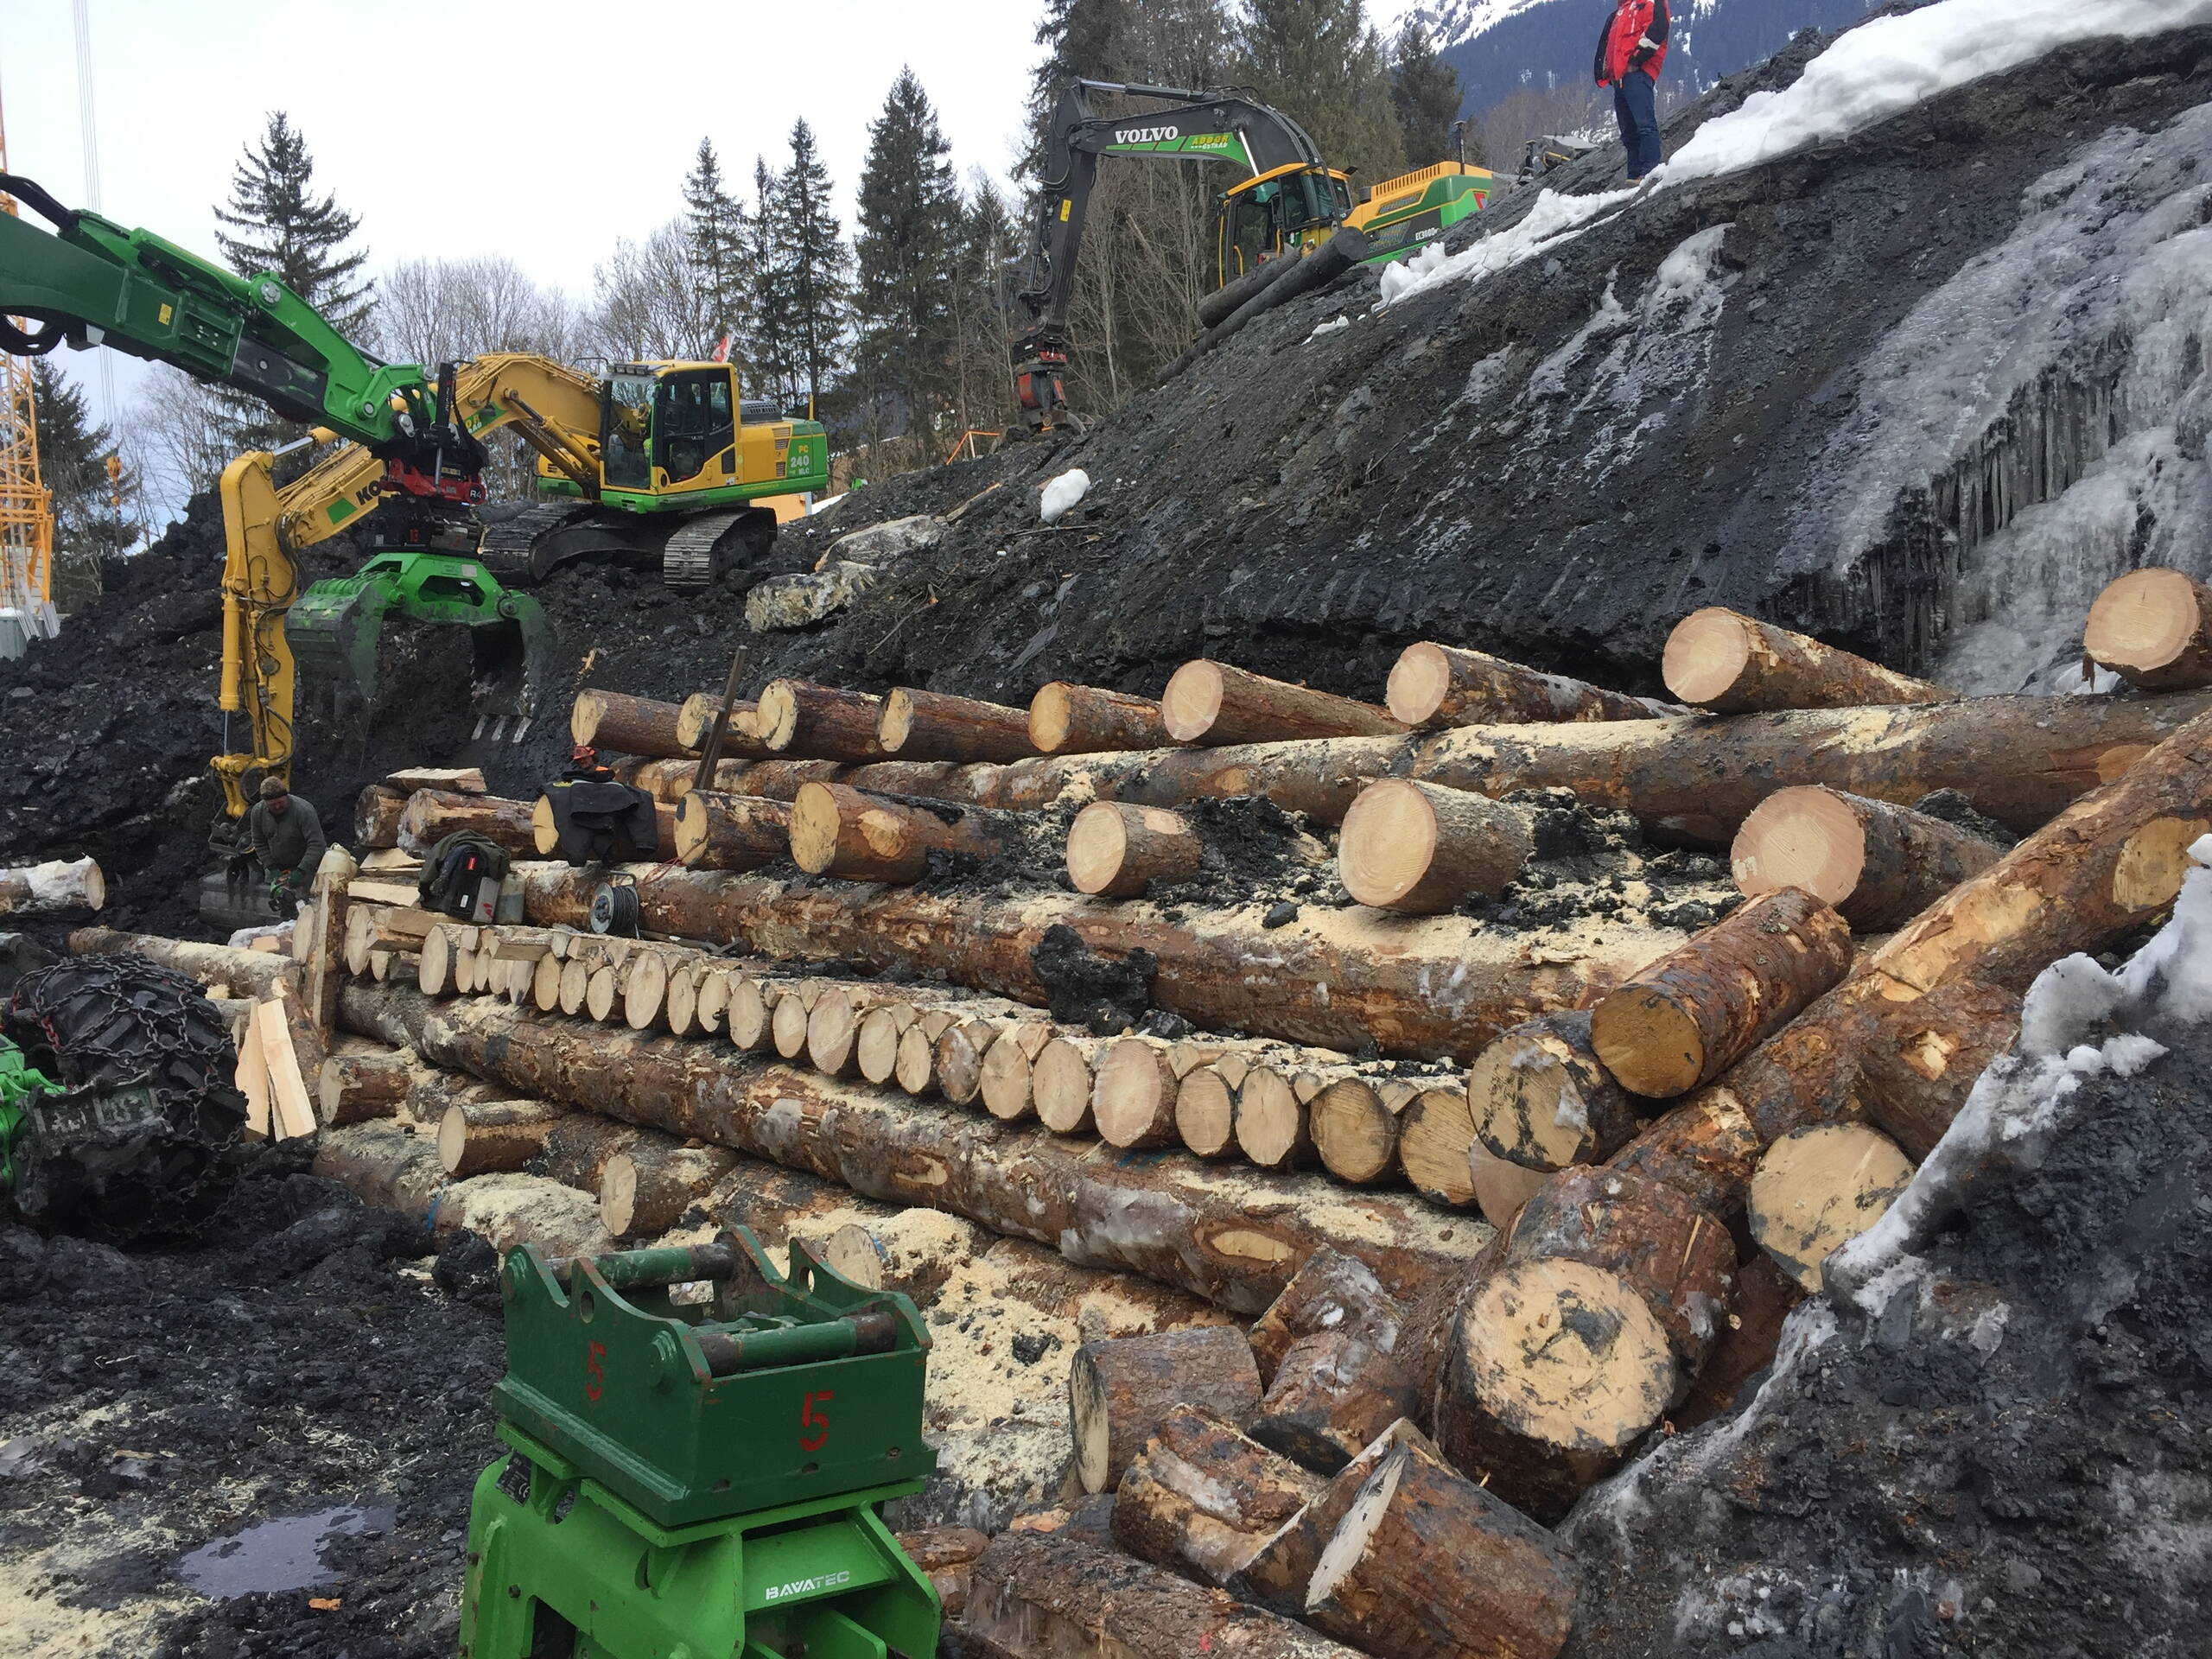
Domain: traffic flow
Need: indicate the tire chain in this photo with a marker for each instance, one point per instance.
(123, 1028)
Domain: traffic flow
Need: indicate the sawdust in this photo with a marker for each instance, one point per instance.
(39, 1625)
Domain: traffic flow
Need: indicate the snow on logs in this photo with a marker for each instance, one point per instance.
(933, 726)
(1732, 664)
(1212, 703)
(58, 884)
(1066, 719)
(1232, 1236)
(1434, 685)
(836, 830)
(1688, 1019)
(1815, 1190)
(1115, 851)
(431, 815)
(731, 832)
(1877, 863)
(1419, 848)
(1432, 987)
(805, 721)
(2153, 627)
(627, 725)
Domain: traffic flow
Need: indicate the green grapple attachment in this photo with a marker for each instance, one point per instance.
(700, 1479)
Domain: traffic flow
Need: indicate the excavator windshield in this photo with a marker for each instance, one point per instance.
(627, 424)
(1263, 216)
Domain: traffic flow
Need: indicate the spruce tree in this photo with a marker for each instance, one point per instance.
(984, 309)
(1320, 62)
(772, 356)
(715, 240)
(817, 264)
(72, 454)
(1424, 91)
(908, 248)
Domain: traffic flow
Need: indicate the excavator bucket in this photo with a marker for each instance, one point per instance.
(332, 630)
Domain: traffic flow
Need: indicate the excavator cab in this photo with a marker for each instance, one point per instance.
(678, 435)
(1292, 207)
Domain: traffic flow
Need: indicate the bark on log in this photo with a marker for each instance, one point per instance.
(1121, 1389)
(1679, 1260)
(809, 721)
(627, 725)
(1689, 1019)
(1331, 1292)
(1201, 1498)
(1333, 1392)
(1553, 1370)
(1419, 848)
(1434, 1131)
(58, 884)
(575, 1149)
(948, 1556)
(377, 813)
(1763, 1297)
(2021, 759)
(1277, 1575)
(354, 1088)
(1815, 1190)
(1917, 1060)
(1434, 685)
(731, 832)
(491, 1136)
(933, 726)
(1734, 664)
(1212, 703)
(2153, 627)
(1539, 1096)
(1232, 1236)
(839, 832)
(1877, 863)
(1066, 719)
(431, 815)
(695, 721)
(1117, 852)
(645, 1190)
(1428, 1565)
(775, 778)
(1044, 1596)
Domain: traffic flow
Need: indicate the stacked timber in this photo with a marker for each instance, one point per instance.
(1879, 864)
(1211, 703)
(1066, 719)
(1434, 685)
(627, 725)
(694, 723)
(802, 720)
(1732, 664)
(933, 725)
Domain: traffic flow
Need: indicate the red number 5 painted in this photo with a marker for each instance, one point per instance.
(809, 1417)
(593, 1378)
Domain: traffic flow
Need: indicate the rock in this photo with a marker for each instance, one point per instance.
(801, 600)
(885, 543)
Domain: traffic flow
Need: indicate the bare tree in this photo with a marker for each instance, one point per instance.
(646, 305)
(179, 436)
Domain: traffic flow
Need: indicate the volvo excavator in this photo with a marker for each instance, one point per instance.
(661, 461)
(1289, 203)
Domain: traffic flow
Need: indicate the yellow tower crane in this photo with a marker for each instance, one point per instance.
(26, 505)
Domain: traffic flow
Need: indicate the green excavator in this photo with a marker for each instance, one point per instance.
(659, 462)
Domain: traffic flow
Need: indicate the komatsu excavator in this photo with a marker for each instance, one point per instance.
(659, 462)
(1289, 204)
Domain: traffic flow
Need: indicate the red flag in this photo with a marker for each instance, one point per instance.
(722, 351)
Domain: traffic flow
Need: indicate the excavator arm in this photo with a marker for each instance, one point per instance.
(1196, 126)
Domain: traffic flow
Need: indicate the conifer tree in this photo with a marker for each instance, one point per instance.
(771, 354)
(907, 249)
(72, 454)
(715, 241)
(1320, 63)
(816, 281)
(1425, 90)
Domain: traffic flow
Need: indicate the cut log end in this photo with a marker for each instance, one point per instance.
(897, 721)
(1133, 1094)
(1117, 851)
(1061, 1086)
(775, 717)
(815, 819)
(1804, 837)
(1649, 1042)
(1049, 717)
(1420, 681)
(1817, 1189)
(2150, 626)
(1706, 655)
(1421, 848)
(1097, 841)
(1540, 1098)
(1192, 701)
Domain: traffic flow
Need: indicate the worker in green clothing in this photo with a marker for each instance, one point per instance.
(287, 838)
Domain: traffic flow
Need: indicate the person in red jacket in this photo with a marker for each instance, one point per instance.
(1630, 48)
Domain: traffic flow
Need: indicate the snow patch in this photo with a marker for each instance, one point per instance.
(1329, 327)
(1554, 219)
(1061, 494)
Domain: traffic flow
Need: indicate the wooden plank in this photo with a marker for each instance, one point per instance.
(291, 1105)
(391, 862)
(405, 895)
(461, 780)
(252, 1075)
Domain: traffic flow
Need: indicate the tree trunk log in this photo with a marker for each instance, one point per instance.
(1133, 1094)
(1878, 864)
(1539, 1096)
(1121, 1389)
(1066, 719)
(1500, 1189)
(1428, 1565)
(627, 725)
(695, 722)
(1331, 1292)
(1117, 852)
(931, 726)
(2153, 627)
(377, 813)
(1201, 1498)
(644, 1192)
(1354, 1127)
(1419, 848)
(1205, 1112)
(1232, 1236)
(354, 1088)
(1917, 1060)
(1434, 1131)
(58, 884)
(1043, 1596)
(575, 1149)
(431, 815)
(1211, 703)
(1689, 1018)
(1278, 1572)
(771, 779)
(1332, 1393)
(1434, 685)
(1763, 1297)
(839, 832)
(1815, 1190)
(833, 1028)
(1734, 664)
(494, 1136)
(809, 721)
(1553, 1370)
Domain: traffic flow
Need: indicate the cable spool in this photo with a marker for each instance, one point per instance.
(615, 907)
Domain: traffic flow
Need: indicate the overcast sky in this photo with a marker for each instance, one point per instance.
(541, 131)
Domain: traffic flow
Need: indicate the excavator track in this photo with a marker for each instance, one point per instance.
(687, 563)
(508, 545)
